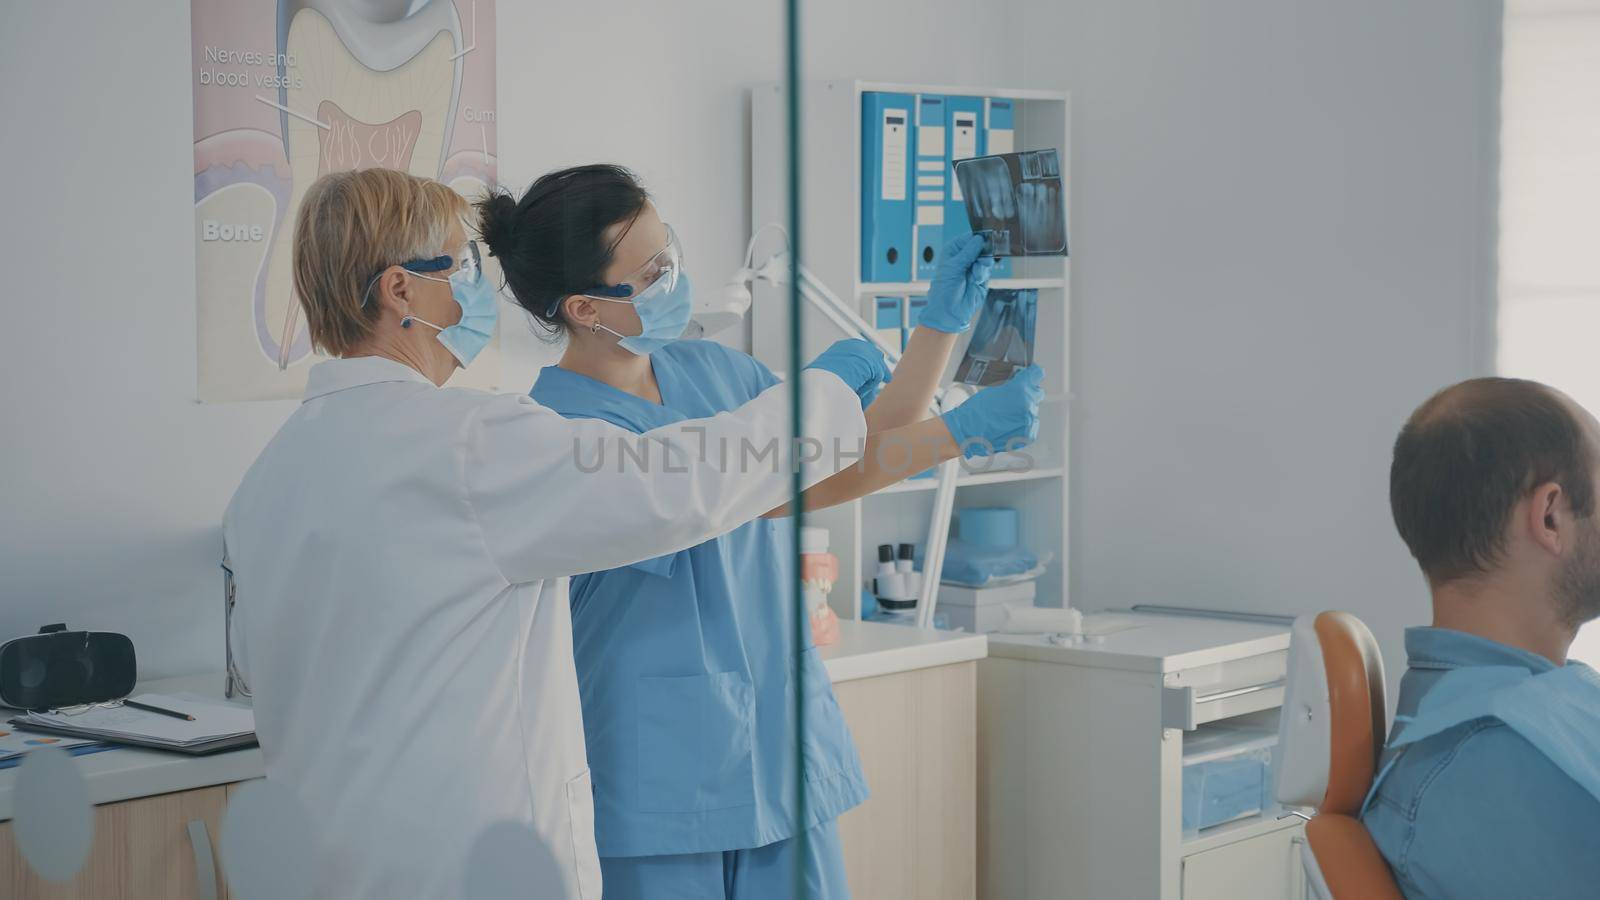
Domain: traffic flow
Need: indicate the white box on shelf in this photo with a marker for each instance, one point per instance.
(1021, 592)
(977, 619)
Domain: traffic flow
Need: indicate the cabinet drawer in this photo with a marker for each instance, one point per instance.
(1193, 697)
(1264, 867)
(142, 848)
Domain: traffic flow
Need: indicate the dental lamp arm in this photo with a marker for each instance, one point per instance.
(892, 453)
(816, 293)
(913, 394)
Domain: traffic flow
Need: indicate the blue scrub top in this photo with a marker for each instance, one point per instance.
(685, 661)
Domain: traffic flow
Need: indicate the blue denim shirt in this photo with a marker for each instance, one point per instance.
(1477, 811)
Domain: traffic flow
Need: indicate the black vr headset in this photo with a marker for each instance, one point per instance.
(57, 668)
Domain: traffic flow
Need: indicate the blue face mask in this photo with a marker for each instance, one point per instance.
(480, 310)
(664, 310)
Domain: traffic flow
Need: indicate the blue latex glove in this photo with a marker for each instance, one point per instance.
(959, 286)
(858, 363)
(1000, 418)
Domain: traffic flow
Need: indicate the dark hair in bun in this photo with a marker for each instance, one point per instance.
(551, 242)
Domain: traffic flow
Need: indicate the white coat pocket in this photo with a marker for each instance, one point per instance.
(695, 748)
(580, 814)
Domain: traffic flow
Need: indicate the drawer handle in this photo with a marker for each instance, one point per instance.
(1238, 692)
(1186, 708)
(205, 866)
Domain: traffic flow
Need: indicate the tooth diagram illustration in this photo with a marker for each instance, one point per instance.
(288, 92)
(383, 85)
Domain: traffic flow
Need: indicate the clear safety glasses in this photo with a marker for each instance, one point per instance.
(468, 262)
(666, 264)
(465, 261)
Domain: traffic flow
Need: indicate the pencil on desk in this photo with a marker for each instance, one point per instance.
(156, 709)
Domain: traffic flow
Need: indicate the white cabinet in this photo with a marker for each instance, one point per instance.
(1266, 867)
(1081, 754)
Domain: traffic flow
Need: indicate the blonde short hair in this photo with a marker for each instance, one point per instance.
(353, 225)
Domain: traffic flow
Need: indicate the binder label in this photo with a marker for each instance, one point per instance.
(930, 140)
(895, 145)
(963, 145)
(930, 214)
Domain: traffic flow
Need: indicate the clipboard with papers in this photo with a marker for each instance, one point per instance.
(216, 726)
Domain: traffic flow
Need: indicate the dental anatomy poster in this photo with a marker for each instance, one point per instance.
(288, 90)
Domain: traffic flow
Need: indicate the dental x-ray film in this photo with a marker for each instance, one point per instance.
(1015, 200)
(1002, 341)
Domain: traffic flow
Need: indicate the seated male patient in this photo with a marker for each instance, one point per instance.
(1489, 785)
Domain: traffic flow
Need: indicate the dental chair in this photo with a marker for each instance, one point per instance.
(1329, 739)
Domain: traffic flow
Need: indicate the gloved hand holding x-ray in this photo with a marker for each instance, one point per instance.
(1000, 418)
(959, 286)
(1015, 201)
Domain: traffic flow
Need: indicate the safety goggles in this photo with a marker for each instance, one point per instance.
(666, 264)
(467, 262)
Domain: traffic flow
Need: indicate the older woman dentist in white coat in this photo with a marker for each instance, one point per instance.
(399, 549)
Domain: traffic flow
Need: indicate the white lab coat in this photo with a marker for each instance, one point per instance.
(399, 552)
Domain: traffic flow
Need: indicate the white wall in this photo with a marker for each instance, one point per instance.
(115, 478)
(1283, 222)
(1279, 214)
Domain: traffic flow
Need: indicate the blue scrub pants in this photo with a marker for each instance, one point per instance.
(762, 873)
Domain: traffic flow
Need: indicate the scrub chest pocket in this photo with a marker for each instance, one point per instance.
(695, 742)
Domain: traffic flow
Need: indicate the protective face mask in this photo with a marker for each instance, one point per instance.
(480, 310)
(664, 313)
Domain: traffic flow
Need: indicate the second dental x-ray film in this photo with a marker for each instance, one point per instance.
(1002, 341)
(1015, 200)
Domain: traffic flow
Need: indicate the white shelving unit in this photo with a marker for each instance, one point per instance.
(830, 246)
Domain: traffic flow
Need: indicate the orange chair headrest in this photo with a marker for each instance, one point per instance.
(1333, 715)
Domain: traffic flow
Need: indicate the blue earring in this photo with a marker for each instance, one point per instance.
(406, 322)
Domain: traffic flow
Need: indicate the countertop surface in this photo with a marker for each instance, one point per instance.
(864, 650)
(868, 649)
(1147, 642)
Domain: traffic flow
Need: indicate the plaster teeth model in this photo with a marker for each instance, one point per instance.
(378, 85)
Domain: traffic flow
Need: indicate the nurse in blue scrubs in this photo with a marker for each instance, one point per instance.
(685, 662)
